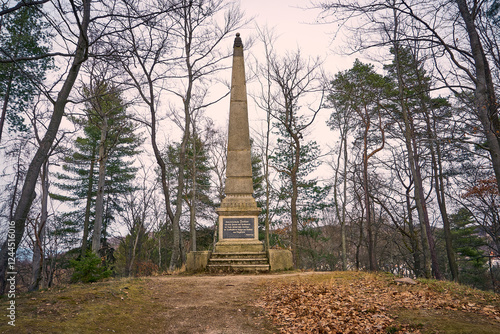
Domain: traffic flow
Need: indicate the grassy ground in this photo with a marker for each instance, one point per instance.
(255, 304)
(115, 306)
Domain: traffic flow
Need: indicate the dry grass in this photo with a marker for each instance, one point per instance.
(230, 304)
(116, 306)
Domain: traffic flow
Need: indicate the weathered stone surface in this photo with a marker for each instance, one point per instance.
(280, 259)
(238, 262)
(197, 261)
(239, 165)
(238, 213)
(239, 246)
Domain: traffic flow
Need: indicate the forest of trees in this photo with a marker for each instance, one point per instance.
(112, 155)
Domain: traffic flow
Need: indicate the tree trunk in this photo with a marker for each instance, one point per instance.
(177, 239)
(134, 249)
(422, 209)
(38, 253)
(293, 205)
(427, 240)
(417, 181)
(6, 102)
(417, 266)
(192, 208)
(341, 216)
(484, 93)
(369, 224)
(99, 201)
(158, 156)
(268, 186)
(344, 204)
(435, 150)
(86, 221)
(28, 191)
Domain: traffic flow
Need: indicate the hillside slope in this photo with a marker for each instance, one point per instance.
(288, 303)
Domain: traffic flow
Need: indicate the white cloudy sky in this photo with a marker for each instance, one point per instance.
(295, 28)
(295, 25)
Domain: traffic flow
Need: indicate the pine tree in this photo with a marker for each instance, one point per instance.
(311, 196)
(467, 244)
(360, 91)
(80, 179)
(197, 181)
(23, 33)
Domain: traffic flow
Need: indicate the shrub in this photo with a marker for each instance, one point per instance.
(89, 269)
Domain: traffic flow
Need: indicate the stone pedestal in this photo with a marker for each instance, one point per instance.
(238, 225)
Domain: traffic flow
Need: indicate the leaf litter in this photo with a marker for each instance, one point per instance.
(366, 304)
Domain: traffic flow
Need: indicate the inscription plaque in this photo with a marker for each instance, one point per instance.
(238, 228)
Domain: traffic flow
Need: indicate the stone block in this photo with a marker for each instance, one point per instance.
(197, 261)
(280, 259)
(245, 246)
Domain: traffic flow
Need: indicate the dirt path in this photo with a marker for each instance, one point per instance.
(212, 304)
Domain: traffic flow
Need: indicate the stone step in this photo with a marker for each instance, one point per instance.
(239, 261)
(217, 255)
(238, 267)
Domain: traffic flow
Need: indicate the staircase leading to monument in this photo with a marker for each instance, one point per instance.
(238, 262)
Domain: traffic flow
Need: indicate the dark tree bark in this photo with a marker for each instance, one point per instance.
(86, 221)
(484, 94)
(28, 191)
(39, 231)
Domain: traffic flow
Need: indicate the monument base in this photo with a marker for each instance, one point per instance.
(238, 248)
(233, 256)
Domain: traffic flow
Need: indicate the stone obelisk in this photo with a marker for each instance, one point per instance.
(238, 212)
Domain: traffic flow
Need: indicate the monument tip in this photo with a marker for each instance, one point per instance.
(237, 41)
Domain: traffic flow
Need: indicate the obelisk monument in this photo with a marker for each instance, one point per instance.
(238, 212)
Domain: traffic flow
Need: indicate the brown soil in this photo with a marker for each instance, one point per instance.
(210, 304)
(213, 304)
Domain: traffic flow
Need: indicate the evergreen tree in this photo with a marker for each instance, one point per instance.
(412, 100)
(23, 33)
(196, 191)
(361, 92)
(79, 181)
(468, 245)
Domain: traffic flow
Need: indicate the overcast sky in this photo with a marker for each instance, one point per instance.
(295, 28)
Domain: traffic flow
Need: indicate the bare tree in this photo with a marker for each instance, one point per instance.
(294, 78)
(451, 30)
(217, 147)
(175, 51)
(138, 215)
(265, 100)
(195, 24)
(81, 18)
